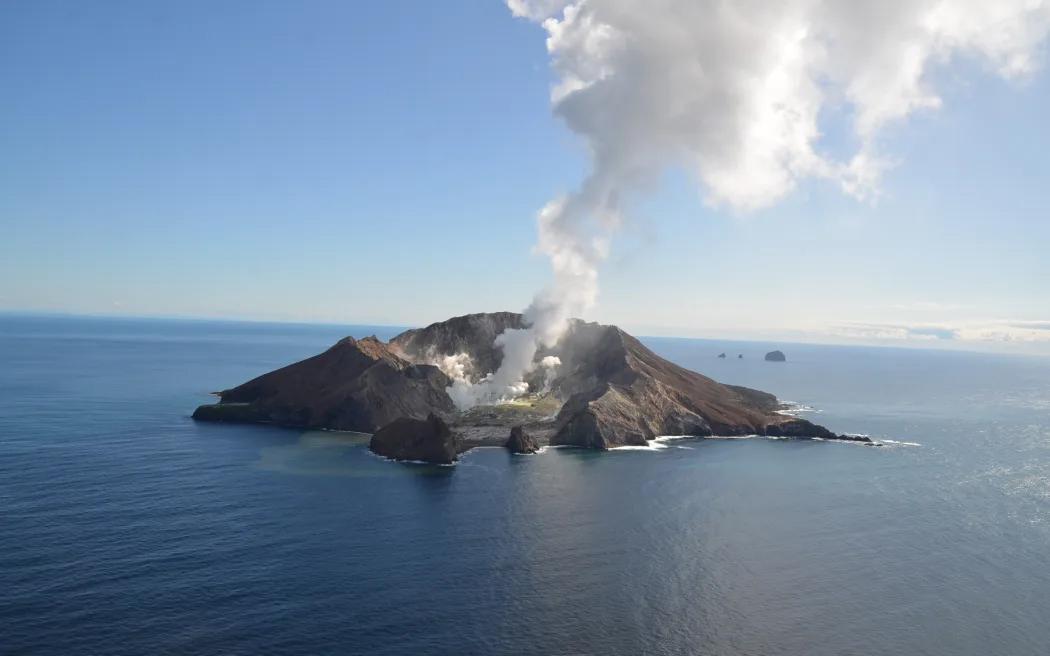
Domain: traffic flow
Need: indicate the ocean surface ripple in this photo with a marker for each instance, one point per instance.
(129, 529)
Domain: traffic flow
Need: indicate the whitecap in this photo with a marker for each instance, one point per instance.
(409, 462)
(669, 438)
(548, 447)
(658, 443)
(889, 442)
(734, 437)
(652, 445)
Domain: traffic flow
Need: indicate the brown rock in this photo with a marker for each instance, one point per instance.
(521, 442)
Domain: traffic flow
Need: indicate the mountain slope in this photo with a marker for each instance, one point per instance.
(356, 385)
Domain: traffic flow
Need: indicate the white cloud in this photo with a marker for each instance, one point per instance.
(1006, 331)
(929, 306)
(734, 91)
(972, 332)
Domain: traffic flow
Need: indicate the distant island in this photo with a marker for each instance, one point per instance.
(607, 390)
(776, 356)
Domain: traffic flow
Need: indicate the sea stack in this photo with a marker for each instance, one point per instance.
(421, 440)
(521, 442)
(776, 356)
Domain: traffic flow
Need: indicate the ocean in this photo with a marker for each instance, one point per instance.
(126, 528)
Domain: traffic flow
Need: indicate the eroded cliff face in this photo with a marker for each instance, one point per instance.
(472, 334)
(609, 390)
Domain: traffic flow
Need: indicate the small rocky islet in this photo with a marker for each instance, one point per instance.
(609, 391)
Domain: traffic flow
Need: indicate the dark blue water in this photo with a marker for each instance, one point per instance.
(125, 528)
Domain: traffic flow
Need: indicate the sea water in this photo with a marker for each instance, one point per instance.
(127, 528)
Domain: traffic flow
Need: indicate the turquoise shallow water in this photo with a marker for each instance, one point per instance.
(126, 528)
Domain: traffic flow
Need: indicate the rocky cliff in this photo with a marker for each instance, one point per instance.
(472, 334)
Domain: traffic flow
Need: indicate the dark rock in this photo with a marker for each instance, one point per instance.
(426, 440)
(521, 442)
(856, 438)
(798, 428)
(356, 385)
(776, 356)
(722, 355)
(230, 412)
(804, 430)
(740, 357)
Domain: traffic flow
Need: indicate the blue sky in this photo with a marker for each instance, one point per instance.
(383, 163)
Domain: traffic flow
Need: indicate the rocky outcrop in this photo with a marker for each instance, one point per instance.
(234, 413)
(847, 437)
(521, 442)
(802, 429)
(356, 385)
(418, 440)
(776, 356)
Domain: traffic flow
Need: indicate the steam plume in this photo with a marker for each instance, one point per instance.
(734, 93)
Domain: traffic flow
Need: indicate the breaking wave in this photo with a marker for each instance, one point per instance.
(889, 442)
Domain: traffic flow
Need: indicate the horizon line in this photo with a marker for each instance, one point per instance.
(958, 346)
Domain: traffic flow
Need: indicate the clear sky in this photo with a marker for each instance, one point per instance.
(384, 162)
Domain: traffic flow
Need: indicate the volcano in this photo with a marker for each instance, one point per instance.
(609, 390)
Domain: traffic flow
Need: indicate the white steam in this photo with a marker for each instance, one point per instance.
(550, 365)
(519, 349)
(734, 92)
(507, 382)
(457, 367)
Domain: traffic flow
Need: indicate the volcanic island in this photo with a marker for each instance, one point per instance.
(606, 390)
